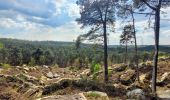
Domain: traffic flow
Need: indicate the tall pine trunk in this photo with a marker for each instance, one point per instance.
(136, 49)
(155, 60)
(105, 53)
(126, 52)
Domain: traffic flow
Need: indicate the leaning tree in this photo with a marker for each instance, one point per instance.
(98, 15)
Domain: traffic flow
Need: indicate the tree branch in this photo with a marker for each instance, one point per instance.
(100, 13)
(143, 13)
(146, 13)
(153, 8)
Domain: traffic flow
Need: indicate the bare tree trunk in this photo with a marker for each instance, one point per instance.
(136, 49)
(105, 53)
(126, 52)
(155, 60)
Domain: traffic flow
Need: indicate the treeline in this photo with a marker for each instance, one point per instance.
(64, 54)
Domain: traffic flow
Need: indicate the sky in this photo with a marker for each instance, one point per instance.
(55, 20)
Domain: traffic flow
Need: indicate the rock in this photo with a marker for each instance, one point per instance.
(85, 72)
(10, 78)
(1, 70)
(33, 92)
(145, 65)
(165, 94)
(165, 76)
(139, 85)
(49, 75)
(165, 79)
(120, 68)
(26, 68)
(45, 66)
(168, 86)
(163, 58)
(65, 97)
(28, 78)
(43, 79)
(119, 86)
(60, 84)
(144, 78)
(32, 69)
(19, 68)
(56, 75)
(136, 94)
(25, 71)
(128, 77)
(96, 95)
(24, 65)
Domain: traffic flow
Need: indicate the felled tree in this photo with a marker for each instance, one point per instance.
(98, 14)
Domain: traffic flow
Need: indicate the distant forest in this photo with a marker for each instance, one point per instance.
(65, 54)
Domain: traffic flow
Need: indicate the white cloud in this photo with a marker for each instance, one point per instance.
(73, 10)
(68, 32)
(18, 25)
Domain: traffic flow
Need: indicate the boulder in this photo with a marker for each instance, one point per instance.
(24, 65)
(120, 68)
(85, 72)
(51, 75)
(136, 94)
(43, 79)
(28, 78)
(33, 92)
(56, 75)
(96, 95)
(26, 72)
(1, 70)
(32, 69)
(60, 84)
(165, 79)
(65, 97)
(128, 77)
(45, 66)
(139, 85)
(120, 86)
(145, 65)
(26, 68)
(144, 78)
(165, 94)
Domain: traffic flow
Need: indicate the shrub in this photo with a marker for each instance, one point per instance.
(95, 67)
(6, 66)
(109, 72)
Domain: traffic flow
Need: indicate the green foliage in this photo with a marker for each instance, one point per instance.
(95, 67)
(1, 45)
(110, 72)
(32, 62)
(94, 77)
(19, 52)
(145, 56)
(74, 69)
(15, 56)
(93, 94)
(23, 77)
(6, 66)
